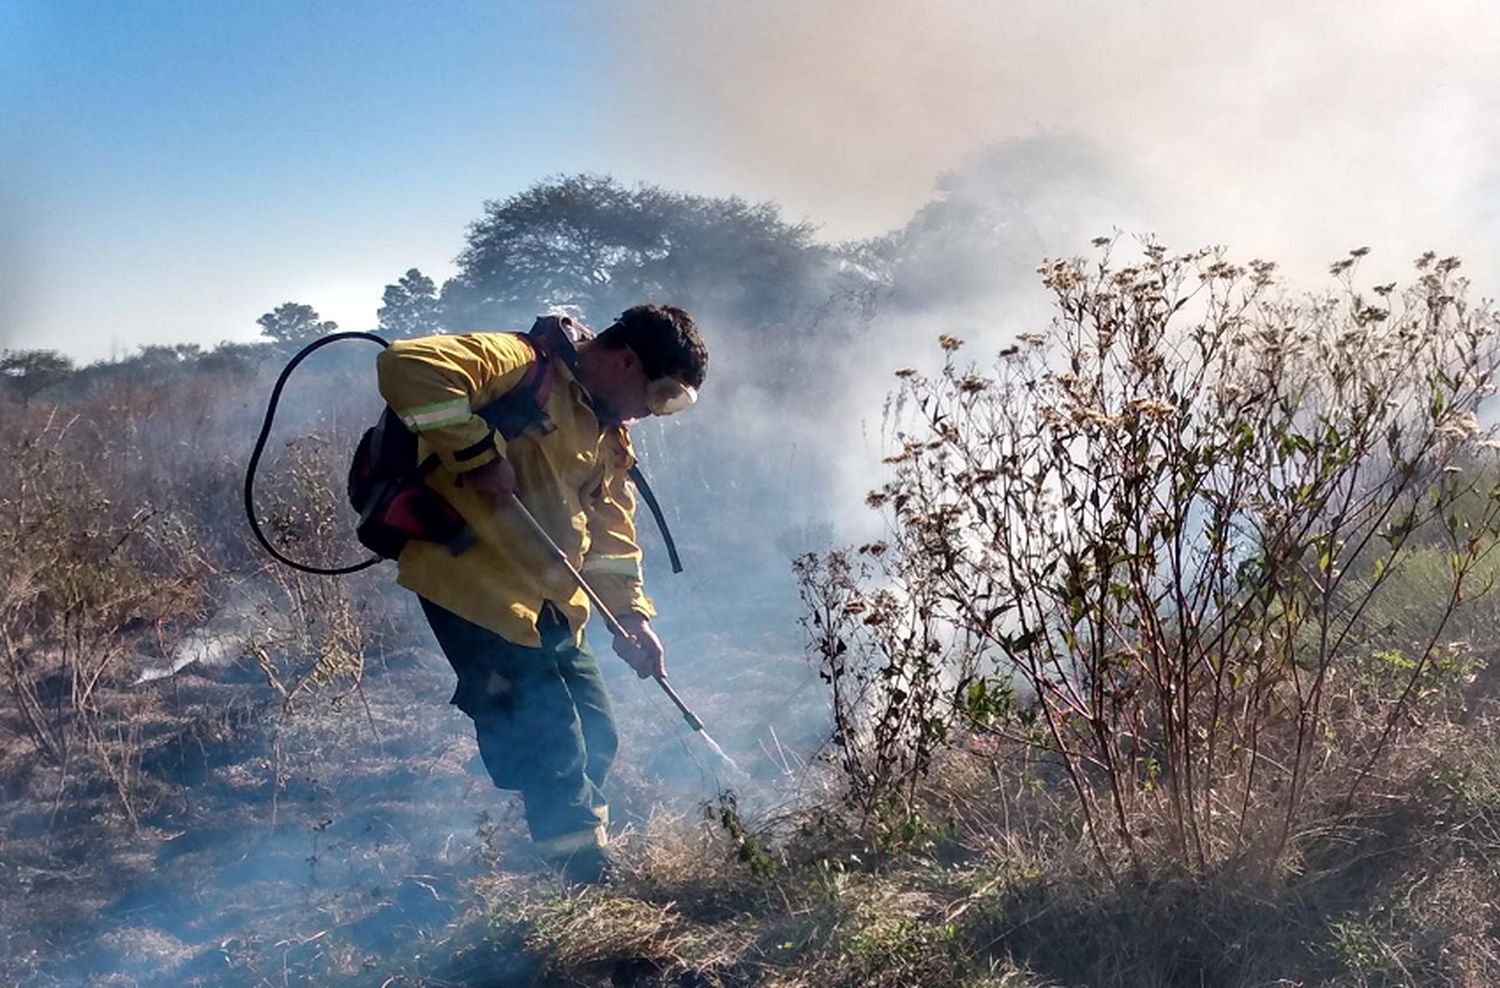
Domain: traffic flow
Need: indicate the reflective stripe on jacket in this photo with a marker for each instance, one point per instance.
(572, 479)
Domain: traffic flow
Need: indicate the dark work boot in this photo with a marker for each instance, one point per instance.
(588, 866)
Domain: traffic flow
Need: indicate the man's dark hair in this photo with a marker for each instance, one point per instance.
(665, 338)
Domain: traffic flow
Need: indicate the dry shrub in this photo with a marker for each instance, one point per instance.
(1164, 545)
(89, 577)
(123, 540)
(313, 633)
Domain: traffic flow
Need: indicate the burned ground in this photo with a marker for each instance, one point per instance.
(347, 837)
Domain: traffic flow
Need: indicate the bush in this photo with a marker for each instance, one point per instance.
(1159, 543)
(125, 549)
(85, 575)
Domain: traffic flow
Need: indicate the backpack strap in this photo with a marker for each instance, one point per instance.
(524, 405)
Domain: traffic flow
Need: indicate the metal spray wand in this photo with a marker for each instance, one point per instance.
(693, 720)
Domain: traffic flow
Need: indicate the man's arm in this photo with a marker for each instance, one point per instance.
(613, 563)
(435, 383)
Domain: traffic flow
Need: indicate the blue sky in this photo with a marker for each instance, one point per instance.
(173, 170)
(169, 171)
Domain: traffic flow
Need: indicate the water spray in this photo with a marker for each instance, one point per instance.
(693, 720)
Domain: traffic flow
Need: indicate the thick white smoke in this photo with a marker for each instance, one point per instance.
(1286, 129)
(1292, 131)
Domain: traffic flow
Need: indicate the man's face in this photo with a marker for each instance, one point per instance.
(622, 391)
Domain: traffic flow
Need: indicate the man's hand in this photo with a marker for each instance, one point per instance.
(643, 650)
(495, 482)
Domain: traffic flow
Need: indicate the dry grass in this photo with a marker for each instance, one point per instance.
(1399, 892)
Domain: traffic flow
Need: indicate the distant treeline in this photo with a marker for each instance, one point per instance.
(597, 244)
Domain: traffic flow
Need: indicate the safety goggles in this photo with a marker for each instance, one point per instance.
(667, 396)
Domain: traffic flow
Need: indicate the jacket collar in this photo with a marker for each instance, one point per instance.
(561, 336)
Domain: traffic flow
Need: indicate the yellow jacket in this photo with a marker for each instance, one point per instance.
(572, 479)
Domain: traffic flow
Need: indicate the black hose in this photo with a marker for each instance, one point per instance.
(260, 445)
(649, 496)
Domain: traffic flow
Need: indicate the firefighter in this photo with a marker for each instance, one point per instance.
(510, 620)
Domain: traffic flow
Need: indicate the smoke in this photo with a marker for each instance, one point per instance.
(1292, 130)
(984, 137)
(792, 429)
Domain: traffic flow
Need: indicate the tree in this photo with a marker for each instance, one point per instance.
(989, 219)
(165, 359)
(591, 242)
(292, 324)
(240, 359)
(411, 307)
(30, 372)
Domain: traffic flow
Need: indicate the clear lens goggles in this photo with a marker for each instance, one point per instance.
(667, 396)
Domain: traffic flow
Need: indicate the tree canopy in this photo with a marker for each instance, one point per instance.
(592, 242)
(993, 217)
(29, 372)
(294, 324)
(410, 307)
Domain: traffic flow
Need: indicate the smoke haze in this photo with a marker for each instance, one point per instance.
(1289, 130)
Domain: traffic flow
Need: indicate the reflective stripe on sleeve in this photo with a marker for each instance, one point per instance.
(436, 416)
(615, 565)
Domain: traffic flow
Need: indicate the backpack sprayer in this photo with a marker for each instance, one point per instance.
(386, 487)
